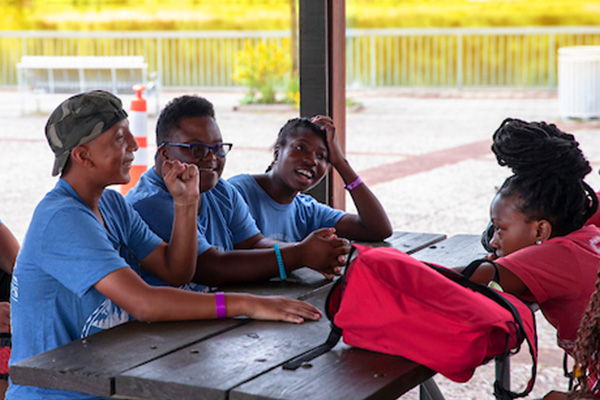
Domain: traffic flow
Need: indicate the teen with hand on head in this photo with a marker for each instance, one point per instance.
(78, 270)
(543, 251)
(303, 153)
(231, 249)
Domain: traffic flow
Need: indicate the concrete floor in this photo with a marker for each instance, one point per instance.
(425, 154)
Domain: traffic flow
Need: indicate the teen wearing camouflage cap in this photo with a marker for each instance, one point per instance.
(80, 119)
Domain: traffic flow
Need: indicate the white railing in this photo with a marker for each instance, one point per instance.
(461, 57)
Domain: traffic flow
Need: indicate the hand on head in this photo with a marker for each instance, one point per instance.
(182, 180)
(335, 151)
(325, 251)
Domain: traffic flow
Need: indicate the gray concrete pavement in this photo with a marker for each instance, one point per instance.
(425, 154)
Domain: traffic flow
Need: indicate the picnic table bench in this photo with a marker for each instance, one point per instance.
(74, 74)
(240, 358)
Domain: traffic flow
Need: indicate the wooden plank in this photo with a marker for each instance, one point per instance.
(408, 242)
(89, 365)
(457, 251)
(343, 373)
(212, 368)
(302, 282)
(298, 285)
(208, 369)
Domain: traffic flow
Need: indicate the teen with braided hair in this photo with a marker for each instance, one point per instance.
(543, 251)
(587, 355)
(304, 151)
(587, 351)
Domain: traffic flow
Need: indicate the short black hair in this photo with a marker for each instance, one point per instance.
(186, 106)
(548, 170)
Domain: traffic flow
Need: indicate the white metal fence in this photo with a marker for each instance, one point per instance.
(461, 57)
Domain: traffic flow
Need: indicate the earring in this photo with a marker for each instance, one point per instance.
(538, 242)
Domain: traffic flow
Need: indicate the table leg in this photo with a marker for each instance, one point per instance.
(503, 375)
(429, 390)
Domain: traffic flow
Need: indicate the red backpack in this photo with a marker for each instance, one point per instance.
(390, 302)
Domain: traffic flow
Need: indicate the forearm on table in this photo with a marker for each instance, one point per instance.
(216, 268)
(172, 304)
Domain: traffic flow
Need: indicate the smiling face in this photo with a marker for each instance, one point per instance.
(513, 229)
(301, 162)
(197, 130)
(111, 154)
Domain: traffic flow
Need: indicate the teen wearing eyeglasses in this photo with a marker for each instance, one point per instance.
(303, 153)
(77, 272)
(231, 248)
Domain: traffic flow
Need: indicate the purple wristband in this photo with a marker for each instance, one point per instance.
(354, 184)
(220, 305)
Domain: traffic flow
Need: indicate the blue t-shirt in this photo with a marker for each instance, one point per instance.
(285, 222)
(223, 221)
(66, 251)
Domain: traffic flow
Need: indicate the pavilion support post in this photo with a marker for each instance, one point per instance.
(323, 78)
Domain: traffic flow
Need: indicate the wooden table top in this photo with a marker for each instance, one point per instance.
(240, 358)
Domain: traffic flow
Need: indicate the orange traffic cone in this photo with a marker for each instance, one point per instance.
(138, 125)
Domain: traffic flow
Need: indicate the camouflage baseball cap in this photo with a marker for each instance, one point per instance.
(80, 119)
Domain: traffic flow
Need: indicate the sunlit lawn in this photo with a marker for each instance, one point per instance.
(275, 14)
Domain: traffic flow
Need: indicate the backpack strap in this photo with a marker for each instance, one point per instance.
(463, 280)
(473, 265)
(334, 337)
(332, 303)
(568, 373)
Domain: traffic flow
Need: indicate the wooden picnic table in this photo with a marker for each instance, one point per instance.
(240, 358)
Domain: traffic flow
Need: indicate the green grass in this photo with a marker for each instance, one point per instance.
(471, 13)
(275, 14)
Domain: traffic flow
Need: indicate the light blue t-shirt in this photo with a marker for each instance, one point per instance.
(223, 221)
(66, 251)
(285, 222)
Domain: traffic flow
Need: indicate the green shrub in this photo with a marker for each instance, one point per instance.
(263, 69)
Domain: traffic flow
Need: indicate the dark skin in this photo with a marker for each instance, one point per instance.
(303, 162)
(254, 258)
(9, 247)
(513, 231)
(106, 160)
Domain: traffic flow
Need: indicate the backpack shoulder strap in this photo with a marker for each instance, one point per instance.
(334, 337)
(332, 304)
(463, 280)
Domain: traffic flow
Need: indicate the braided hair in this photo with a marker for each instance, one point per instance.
(291, 128)
(587, 347)
(548, 170)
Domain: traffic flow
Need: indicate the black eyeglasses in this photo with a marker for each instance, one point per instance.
(201, 150)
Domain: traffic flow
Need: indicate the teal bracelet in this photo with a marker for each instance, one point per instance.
(282, 273)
